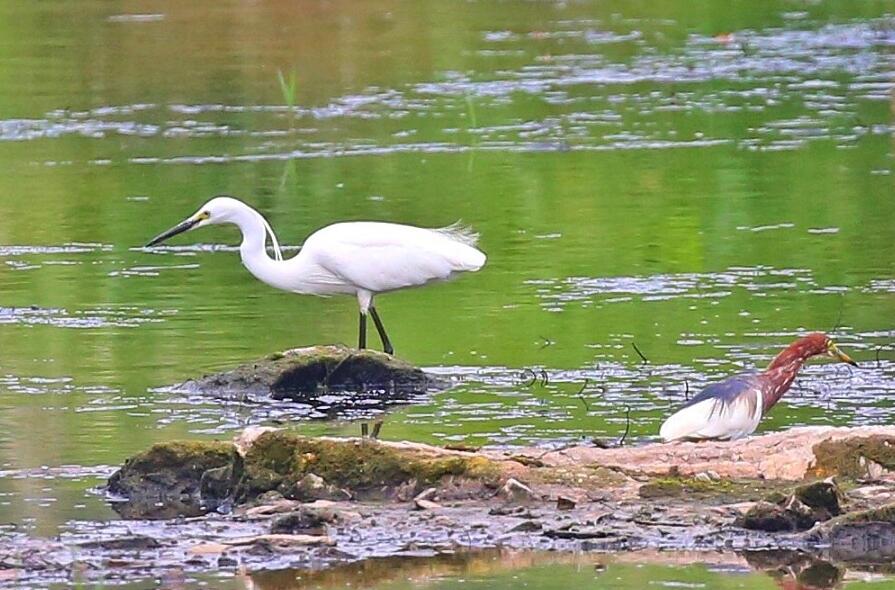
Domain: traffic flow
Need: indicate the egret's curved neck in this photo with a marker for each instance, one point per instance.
(253, 249)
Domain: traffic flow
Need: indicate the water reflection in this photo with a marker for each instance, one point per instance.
(794, 570)
(509, 569)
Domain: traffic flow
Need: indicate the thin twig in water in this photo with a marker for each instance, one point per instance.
(556, 450)
(621, 441)
(470, 110)
(800, 387)
(581, 397)
(686, 390)
(547, 342)
(546, 379)
(637, 350)
(839, 317)
(534, 376)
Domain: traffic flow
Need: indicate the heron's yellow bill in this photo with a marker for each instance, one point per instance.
(834, 352)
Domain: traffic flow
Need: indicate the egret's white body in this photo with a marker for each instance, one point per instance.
(360, 258)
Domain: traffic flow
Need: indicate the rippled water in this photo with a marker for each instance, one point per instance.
(694, 186)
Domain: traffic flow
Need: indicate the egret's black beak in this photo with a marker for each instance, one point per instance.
(177, 229)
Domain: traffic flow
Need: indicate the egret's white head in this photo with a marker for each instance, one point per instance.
(221, 209)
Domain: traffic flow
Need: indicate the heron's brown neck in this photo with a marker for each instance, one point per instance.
(782, 372)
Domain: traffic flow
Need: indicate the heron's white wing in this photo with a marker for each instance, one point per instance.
(382, 257)
(713, 419)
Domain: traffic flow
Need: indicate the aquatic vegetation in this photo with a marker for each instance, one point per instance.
(287, 88)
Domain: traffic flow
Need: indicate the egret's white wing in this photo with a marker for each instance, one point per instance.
(728, 410)
(381, 257)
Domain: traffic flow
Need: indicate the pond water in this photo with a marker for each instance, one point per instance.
(549, 571)
(705, 182)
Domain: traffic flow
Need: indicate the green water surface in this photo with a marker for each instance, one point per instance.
(704, 180)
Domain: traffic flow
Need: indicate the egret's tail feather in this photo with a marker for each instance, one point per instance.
(460, 233)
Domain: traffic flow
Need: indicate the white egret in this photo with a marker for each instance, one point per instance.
(360, 258)
(732, 408)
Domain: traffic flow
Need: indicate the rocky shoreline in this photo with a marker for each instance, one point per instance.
(272, 499)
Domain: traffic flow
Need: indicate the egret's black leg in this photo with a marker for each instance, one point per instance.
(362, 332)
(386, 343)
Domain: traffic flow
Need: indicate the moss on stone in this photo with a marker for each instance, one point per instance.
(773, 518)
(177, 478)
(278, 459)
(719, 490)
(190, 458)
(885, 513)
(295, 374)
(681, 486)
(854, 457)
(823, 497)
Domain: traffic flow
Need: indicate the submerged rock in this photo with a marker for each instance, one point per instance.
(302, 372)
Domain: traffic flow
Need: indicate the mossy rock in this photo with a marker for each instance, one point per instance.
(277, 460)
(856, 458)
(774, 518)
(823, 497)
(867, 536)
(302, 372)
(885, 513)
(179, 478)
(713, 491)
(799, 510)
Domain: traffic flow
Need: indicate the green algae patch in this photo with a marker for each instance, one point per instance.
(856, 458)
(718, 490)
(677, 487)
(278, 460)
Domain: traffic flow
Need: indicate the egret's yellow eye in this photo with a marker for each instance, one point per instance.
(204, 215)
